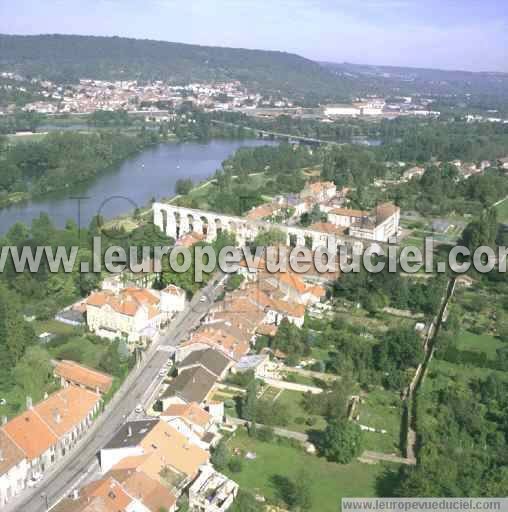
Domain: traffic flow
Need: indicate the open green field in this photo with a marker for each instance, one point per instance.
(298, 416)
(444, 371)
(382, 410)
(479, 343)
(502, 211)
(54, 327)
(329, 482)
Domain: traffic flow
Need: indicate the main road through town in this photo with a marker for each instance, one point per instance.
(71, 470)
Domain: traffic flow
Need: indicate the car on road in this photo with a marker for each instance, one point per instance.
(163, 373)
(139, 409)
(169, 363)
(202, 298)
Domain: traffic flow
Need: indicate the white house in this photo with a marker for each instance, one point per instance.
(13, 469)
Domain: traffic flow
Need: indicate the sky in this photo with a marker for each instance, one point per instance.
(446, 34)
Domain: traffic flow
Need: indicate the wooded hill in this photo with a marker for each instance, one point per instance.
(67, 58)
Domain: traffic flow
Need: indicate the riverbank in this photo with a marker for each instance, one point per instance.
(150, 174)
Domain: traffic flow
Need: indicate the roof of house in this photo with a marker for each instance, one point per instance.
(66, 408)
(215, 335)
(131, 434)
(326, 227)
(174, 449)
(84, 376)
(349, 212)
(190, 239)
(127, 302)
(189, 412)
(385, 210)
(83, 504)
(174, 290)
(30, 433)
(247, 363)
(11, 454)
(192, 385)
(262, 211)
(212, 360)
(149, 491)
(110, 491)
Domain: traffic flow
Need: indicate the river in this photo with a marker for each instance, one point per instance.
(150, 174)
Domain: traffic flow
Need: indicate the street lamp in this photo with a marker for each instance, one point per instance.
(44, 497)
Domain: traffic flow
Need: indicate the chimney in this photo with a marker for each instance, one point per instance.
(57, 418)
(129, 431)
(46, 396)
(29, 403)
(4, 420)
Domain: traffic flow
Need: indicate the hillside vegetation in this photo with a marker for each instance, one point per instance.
(68, 58)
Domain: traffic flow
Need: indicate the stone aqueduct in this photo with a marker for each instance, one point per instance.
(175, 221)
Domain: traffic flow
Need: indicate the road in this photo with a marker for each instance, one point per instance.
(72, 470)
(282, 432)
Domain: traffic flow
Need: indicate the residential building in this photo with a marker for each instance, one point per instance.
(380, 224)
(319, 191)
(150, 446)
(196, 424)
(13, 469)
(135, 314)
(46, 432)
(217, 335)
(193, 385)
(75, 374)
(346, 216)
(129, 491)
(503, 162)
(341, 110)
(212, 360)
(413, 172)
(257, 363)
(212, 491)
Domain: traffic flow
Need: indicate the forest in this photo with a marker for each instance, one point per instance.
(63, 159)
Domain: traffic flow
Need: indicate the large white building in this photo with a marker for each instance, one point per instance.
(132, 313)
(380, 224)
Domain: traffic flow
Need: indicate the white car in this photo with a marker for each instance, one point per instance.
(169, 363)
(202, 298)
(139, 409)
(163, 373)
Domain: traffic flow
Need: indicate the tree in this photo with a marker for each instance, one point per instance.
(246, 502)
(341, 441)
(33, 373)
(183, 186)
(270, 237)
(249, 402)
(221, 456)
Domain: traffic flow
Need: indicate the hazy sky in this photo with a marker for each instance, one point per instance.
(451, 34)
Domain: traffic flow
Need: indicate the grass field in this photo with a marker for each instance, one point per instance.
(502, 211)
(382, 410)
(297, 414)
(54, 327)
(329, 482)
(479, 343)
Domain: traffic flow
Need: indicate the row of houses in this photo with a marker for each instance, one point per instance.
(151, 462)
(34, 441)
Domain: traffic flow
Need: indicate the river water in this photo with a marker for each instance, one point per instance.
(150, 174)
